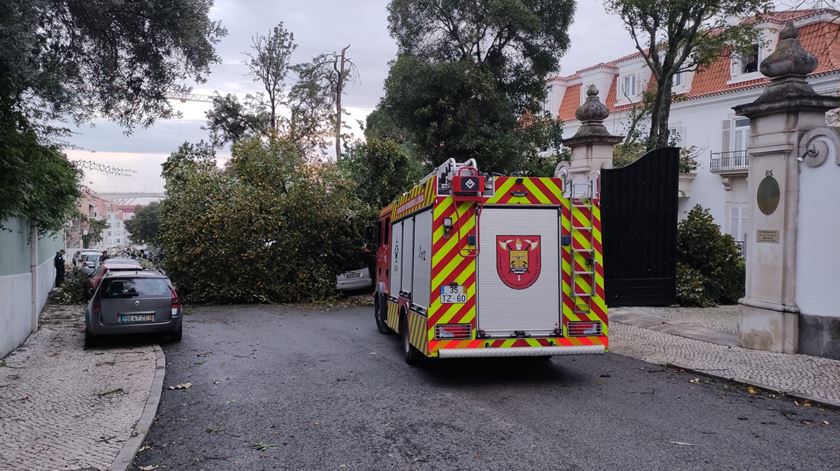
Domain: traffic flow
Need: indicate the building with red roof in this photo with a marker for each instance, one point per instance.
(701, 115)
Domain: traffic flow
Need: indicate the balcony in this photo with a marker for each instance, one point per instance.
(736, 162)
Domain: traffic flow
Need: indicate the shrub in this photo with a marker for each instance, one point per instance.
(690, 289)
(74, 289)
(703, 250)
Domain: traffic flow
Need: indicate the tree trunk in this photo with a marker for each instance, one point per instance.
(655, 112)
(339, 90)
(665, 114)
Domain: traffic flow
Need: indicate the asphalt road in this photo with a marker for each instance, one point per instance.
(303, 388)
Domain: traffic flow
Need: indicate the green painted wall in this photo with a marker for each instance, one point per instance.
(14, 246)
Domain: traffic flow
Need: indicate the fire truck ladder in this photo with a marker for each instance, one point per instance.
(581, 296)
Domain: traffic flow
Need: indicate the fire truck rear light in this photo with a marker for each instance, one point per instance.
(453, 331)
(584, 328)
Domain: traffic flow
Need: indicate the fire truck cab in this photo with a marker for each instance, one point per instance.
(471, 265)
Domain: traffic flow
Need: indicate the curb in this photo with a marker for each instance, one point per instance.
(671, 364)
(129, 450)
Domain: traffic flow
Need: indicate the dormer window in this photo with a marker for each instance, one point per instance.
(628, 86)
(749, 59)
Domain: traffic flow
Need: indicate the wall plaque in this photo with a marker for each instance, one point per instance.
(767, 237)
(768, 194)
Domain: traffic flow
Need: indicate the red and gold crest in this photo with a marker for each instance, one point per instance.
(518, 260)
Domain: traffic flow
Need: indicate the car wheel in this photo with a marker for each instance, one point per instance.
(412, 355)
(90, 340)
(378, 311)
(177, 335)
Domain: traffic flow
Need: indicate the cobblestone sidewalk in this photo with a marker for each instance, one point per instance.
(703, 340)
(66, 408)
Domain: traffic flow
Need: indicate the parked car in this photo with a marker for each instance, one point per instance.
(89, 262)
(353, 280)
(109, 266)
(133, 302)
(78, 256)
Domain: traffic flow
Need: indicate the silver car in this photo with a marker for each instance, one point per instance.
(133, 302)
(353, 280)
(89, 262)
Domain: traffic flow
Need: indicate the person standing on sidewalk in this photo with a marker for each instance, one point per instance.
(58, 262)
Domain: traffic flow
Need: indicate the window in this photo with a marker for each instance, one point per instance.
(628, 86)
(738, 221)
(678, 79)
(749, 59)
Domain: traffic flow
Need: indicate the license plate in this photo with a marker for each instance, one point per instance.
(137, 317)
(452, 295)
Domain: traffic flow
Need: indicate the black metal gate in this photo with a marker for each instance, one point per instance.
(639, 214)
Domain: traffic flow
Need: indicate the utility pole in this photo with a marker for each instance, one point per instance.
(341, 75)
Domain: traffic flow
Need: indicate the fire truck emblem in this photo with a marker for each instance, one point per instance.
(518, 260)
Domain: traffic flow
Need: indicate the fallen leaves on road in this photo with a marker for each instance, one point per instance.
(111, 392)
(694, 380)
(151, 467)
(181, 386)
(260, 446)
(681, 443)
(805, 403)
(752, 390)
(825, 422)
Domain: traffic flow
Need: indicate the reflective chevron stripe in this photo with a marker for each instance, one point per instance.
(576, 224)
(449, 266)
(393, 319)
(415, 199)
(417, 328)
(542, 191)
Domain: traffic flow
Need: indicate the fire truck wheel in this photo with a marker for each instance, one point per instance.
(378, 308)
(411, 355)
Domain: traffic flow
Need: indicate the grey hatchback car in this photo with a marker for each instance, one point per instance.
(133, 302)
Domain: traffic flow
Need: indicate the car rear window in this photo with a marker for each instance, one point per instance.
(133, 287)
(91, 258)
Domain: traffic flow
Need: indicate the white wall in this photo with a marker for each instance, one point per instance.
(818, 239)
(16, 281)
(15, 309)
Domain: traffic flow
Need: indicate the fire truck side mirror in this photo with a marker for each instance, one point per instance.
(372, 236)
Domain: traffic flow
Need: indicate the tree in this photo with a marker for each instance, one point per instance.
(144, 227)
(343, 68)
(95, 228)
(469, 78)
(680, 36)
(112, 58)
(37, 181)
(306, 90)
(518, 41)
(382, 170)
(269, 64)
(286, 226)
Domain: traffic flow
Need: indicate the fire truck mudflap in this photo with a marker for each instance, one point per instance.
(479, 266)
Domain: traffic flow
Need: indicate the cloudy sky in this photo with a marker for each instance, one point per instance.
(319, 26)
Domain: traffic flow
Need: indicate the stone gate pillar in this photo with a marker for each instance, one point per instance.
(592, 145)
(788, 108)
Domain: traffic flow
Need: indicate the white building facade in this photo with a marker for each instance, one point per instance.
(701, 115)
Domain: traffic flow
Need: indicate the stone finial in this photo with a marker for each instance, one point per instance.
(592, 110)
(787, 68)
(591, 115)
(789, 58)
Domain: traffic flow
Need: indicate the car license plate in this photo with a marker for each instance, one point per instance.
(137, 317)
(452, 295)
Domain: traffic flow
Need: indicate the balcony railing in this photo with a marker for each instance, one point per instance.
(726, 162)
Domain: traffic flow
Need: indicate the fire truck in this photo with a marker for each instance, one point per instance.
(473, 265)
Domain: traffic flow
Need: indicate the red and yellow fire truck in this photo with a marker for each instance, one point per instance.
(469, 265)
